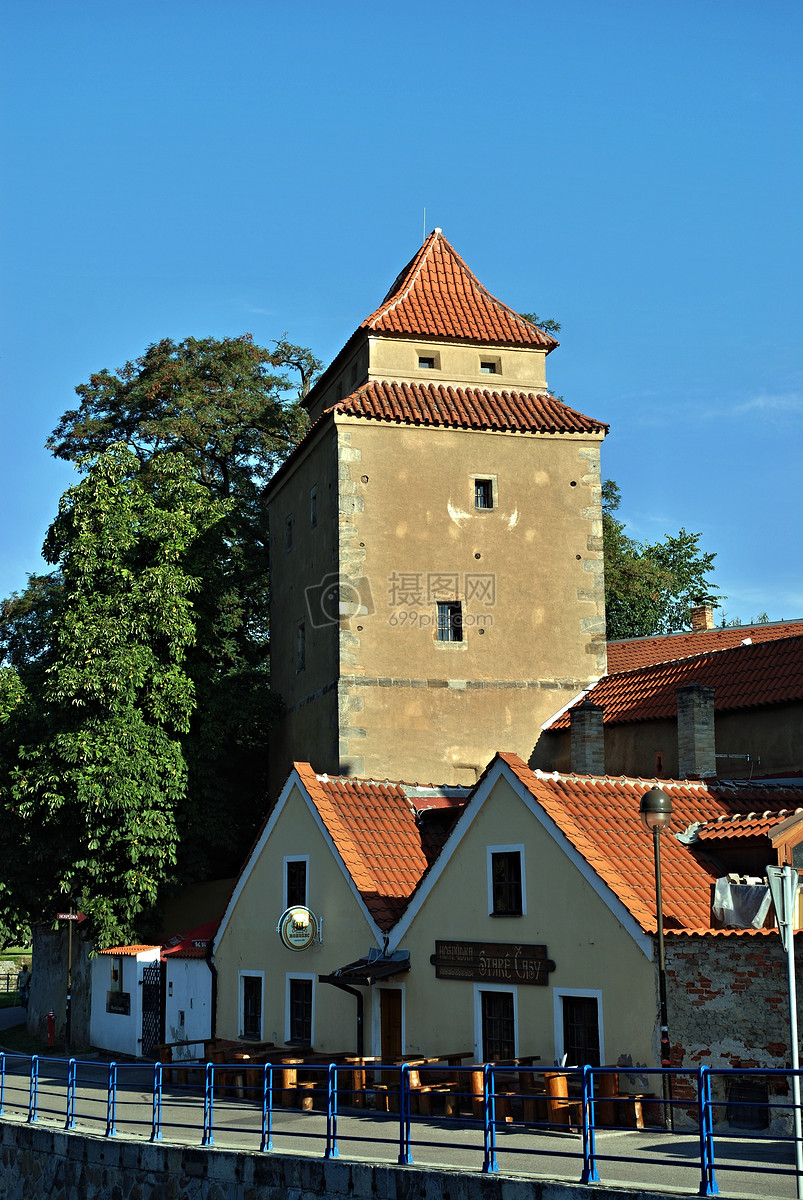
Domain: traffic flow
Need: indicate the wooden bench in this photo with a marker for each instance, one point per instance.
(560, 1106)
(614, 1107)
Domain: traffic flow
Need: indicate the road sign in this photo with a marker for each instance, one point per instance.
(784, 883)
(71, 916)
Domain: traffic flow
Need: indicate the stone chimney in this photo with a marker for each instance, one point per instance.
(588, 739)
(696, 747)
(702, 617)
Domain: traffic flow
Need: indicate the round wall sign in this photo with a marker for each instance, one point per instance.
(297, 928)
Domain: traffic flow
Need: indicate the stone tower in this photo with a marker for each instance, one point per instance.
(436, 541)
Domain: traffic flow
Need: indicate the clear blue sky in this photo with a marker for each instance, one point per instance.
(630, 168)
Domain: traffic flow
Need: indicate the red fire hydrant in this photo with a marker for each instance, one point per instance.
(51, 1029)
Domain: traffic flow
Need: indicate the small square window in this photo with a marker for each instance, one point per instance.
(483, 493)
(450, 621)
(426, 363)
(489, 367)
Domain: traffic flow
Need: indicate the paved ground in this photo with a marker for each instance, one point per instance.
(652, 1158)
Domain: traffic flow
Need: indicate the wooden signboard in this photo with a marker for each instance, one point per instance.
(492, 962)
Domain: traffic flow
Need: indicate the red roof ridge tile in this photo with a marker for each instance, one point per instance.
(437, 295)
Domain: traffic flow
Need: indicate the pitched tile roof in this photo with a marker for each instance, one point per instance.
(465, 408)
(743, 677)
(600, 818)
(628, 654)
(751, 824)
(436, 295)
(375, 829)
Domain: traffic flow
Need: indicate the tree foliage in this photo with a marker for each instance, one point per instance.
(136, 697)
(93, 772)
(650, 587)
(545, 323)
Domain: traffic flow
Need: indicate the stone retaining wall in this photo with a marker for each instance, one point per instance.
(36, 1162)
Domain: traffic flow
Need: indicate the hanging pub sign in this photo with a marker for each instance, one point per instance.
(492, 962)
(298, 928)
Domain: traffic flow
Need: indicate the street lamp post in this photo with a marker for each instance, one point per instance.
(656, 815)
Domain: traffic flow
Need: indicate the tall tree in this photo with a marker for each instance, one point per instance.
(650, 587)
(92, 771)
(224, 413)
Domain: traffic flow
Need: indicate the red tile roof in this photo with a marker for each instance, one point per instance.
(600, 818)
(642, 652)
(743, 677)
(465, 408)
(375, 830)
(436, 295)
(752, 824)
(120, 951)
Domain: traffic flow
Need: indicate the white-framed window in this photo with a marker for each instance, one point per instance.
(299, 1010)
(578, 1026)
(496, 1022)
(507, 885)
(251, 1003)
(484, 490)
(296, 881)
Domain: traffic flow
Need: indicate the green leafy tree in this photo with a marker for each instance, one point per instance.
(92, 769)
(545, 323)
(650, 587)
(230, 411)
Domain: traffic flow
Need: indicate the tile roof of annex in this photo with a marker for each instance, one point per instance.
(630, 653)
(748, 676)
(436, 295)
(599, 815)
(465, 408)
(386, 849)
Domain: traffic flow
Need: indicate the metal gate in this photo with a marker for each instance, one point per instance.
(151, 1007)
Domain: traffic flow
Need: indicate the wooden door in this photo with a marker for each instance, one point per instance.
(390, 1022)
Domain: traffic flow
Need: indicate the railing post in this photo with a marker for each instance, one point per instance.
(111, 1101)
(331, 1113)
(489, 1163)
(589, 1173)
(70, 1115)
(208, 1138)
(156, 1116)
(405, 1157)
(267, 1108)
(708, 1182)
(34, 1088)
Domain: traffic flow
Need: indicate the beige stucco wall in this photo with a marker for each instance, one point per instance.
(588, 944)
(592, 951)
(250, 943)
(521, 368)
(528, 573)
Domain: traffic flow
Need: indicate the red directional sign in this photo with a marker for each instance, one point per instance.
(71, 916)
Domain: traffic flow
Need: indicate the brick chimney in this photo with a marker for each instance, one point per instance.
(588, 739)
(702, 617)
(696, 746)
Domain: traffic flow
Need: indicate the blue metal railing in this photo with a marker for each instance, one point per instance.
(114, 1097)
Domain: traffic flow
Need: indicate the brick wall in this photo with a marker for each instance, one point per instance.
(728, 1006)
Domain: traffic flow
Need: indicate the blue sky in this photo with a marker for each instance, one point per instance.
(631, 168)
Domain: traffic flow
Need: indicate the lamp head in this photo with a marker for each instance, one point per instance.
(656, 810)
